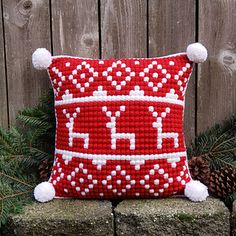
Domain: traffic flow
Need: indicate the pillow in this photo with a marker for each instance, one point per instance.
(119, 131)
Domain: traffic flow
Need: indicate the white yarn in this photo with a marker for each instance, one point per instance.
(196, 191)
(196, 52)
(41, 59)
(44, 192)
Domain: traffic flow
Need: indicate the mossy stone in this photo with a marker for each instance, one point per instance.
(172, 216)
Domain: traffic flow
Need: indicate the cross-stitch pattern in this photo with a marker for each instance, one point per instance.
(119, 127)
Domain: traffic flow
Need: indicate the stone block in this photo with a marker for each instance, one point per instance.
(172, 216)
(233, 220)
(63, 218)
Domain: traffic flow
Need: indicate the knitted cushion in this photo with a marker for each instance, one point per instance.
(119, 131)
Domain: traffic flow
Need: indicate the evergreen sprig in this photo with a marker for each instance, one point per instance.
(15, 180)
(217, 145)
(230, 200)
(22, 149)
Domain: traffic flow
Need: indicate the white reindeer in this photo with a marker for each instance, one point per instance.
(70, 126)
(112, 125)
(158, 125)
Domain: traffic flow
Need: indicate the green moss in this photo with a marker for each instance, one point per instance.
(185, 217)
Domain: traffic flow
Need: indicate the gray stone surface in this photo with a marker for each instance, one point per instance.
(173, 216)
(63, 217)
(233, 219)
(167, 217)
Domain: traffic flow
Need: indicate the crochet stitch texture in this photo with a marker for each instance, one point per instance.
(119, 127)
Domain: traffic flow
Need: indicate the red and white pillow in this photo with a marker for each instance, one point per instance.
(119, 127)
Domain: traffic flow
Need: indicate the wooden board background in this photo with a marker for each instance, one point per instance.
(3, 82)
(120, 28)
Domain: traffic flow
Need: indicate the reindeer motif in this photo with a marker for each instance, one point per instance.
(70, 126)
(112, 125)
(158, 125)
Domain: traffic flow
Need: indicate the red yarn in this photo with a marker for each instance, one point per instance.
(119, 127)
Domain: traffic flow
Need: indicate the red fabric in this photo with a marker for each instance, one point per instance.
(119, 127)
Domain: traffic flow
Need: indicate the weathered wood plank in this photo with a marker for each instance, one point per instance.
(123, 28)
(3, 86)
(216, 77)
(75, 27)
(171, 28)
(27, 27)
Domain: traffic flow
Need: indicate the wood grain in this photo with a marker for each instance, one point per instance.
(123, 28)
(75, 27)
(216, 78)
(171, 28)
(27, 27)
(3, 86)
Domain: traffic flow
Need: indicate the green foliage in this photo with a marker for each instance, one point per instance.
(39, 123)
(22, 149)
(229, 200)
(217, 145)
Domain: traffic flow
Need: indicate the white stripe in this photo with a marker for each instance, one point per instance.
(119, 98)
(174, 155)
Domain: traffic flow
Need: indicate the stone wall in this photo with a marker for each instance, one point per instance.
(172, 216)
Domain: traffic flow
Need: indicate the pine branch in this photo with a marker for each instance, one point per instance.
(2, 215)
(36, 150)
(5, 141)
(227, 150)
(229, 200)
(210, 159)
(224, 142)
(12, 196)
(16, 179)
(221, 136)
(21, 147)
(15, 195)
(217, 144)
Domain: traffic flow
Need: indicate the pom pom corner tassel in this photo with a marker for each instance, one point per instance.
(44, 192)
(196, 191)
(41, 59)
(196, 52)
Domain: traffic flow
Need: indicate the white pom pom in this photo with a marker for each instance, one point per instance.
(41, 59)
(44, 192)
(196, 52)
(196, 191)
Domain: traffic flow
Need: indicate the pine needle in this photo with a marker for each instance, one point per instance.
(22, 149)
(217, 144)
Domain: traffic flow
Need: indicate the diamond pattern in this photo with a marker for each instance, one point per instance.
(118, 74)
(119, 127)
